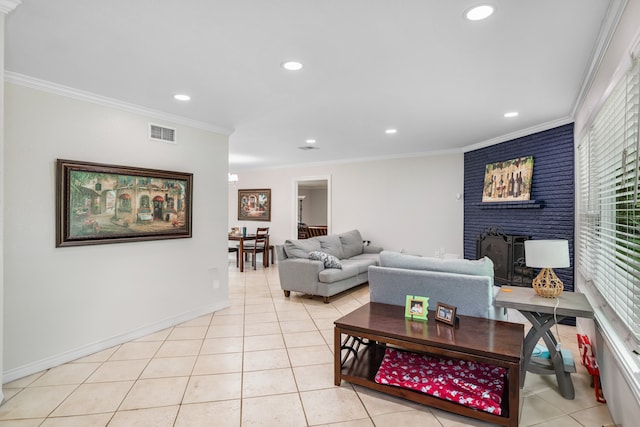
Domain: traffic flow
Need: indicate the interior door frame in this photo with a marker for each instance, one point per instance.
(294, 216)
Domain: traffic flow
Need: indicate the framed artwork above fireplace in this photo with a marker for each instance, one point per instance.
(508, 181)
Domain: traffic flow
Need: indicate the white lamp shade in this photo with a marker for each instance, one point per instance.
(547, 253)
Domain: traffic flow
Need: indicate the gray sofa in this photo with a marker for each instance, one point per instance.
(298, 273)
(465, 284)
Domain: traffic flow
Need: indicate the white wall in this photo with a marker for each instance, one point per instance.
(314, 206)
(62, 303)
(619, 388)
(2, 160)
(400, 204)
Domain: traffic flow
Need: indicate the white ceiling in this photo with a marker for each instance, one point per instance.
(414, 65)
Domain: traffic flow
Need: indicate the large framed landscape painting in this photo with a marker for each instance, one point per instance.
(508, 181)
(98, 203)
(254, 205)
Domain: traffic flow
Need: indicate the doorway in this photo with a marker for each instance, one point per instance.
(312, 202)
(157, 208)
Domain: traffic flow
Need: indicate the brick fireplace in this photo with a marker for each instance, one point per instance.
(549, 214)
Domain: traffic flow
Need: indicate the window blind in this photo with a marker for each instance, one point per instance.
(609, 200)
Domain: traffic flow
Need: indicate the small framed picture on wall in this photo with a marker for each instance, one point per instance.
(254, 205)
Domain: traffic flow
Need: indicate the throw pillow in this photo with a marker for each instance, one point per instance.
(329, 260)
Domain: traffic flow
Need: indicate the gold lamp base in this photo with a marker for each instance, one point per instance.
(547, 284)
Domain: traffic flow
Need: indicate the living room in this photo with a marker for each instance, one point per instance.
(81, 300)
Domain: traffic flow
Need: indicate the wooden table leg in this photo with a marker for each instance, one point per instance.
(265, 254)
(513, 379)
(241, 255)
(337, 364)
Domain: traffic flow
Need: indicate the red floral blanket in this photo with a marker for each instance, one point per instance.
(473, 384)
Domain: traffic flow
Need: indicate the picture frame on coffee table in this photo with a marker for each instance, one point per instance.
(446, 314)
(417, 307)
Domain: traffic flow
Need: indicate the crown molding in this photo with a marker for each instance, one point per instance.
(34, 83)
(519, 134)
(487, 143)
(243, 167)
(7, 6)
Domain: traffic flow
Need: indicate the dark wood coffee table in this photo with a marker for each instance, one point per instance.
(370, 328)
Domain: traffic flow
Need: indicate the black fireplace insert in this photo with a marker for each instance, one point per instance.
(507, 253)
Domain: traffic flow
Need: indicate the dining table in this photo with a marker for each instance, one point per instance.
(247, 237)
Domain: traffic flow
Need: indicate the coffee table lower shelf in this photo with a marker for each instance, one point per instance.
(370, 329)
(361, 370)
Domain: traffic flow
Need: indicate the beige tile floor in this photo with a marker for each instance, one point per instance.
(265, 361)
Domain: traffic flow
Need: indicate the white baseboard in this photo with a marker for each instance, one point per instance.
(77, 353)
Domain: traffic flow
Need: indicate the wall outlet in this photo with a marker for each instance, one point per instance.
(215, 277)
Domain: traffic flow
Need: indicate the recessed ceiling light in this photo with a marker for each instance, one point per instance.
(310, 141)
(181, 97)
(292, 65)
(478, 13)
(391, 131)
(511, 114)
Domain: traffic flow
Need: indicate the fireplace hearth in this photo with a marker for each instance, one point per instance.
(507, 253)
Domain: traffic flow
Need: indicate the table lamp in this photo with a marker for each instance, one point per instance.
(547, 255)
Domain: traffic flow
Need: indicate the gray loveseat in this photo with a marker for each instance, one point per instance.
(300, 274)
(465, 284)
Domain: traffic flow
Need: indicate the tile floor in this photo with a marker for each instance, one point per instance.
(265, 361)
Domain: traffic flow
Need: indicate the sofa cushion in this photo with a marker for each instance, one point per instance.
(301, 248)
(333, 275)
(481, 267)
(361, 263)
(329, 260)
(330, 245)
(369, 255)
(351, 243)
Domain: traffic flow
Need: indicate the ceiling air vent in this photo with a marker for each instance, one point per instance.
(163, 134)
(307, 148)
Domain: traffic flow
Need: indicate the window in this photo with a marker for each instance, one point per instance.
(144, 203)
(609, 202)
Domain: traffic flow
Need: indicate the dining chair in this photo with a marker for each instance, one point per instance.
(259, 245)
(232, 250)
(317, 230)
(303, 232)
